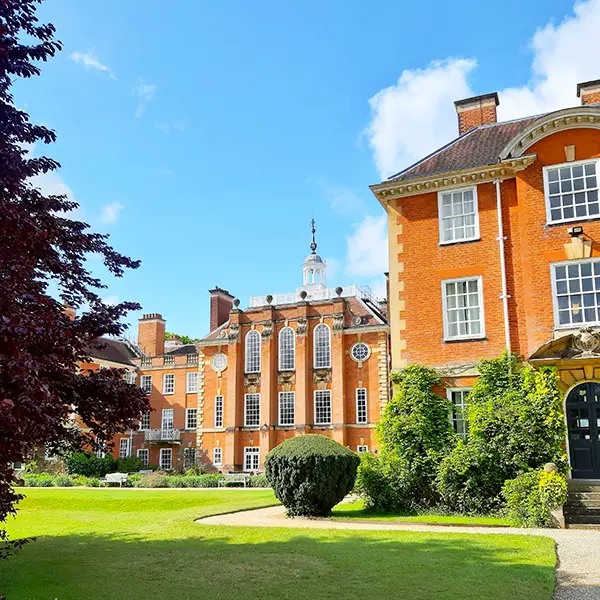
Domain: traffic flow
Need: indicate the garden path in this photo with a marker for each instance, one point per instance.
(577, 572)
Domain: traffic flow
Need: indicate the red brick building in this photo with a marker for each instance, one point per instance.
(494, 243)
(312, 361)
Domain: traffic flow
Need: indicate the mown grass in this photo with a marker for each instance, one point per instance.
(356, 511)
(144, 544)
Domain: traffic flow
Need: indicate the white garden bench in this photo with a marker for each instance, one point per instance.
(234, 478)
(119, 478)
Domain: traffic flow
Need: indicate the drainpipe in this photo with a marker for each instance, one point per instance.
(501, 239)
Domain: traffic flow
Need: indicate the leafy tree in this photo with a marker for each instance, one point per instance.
(415, 434)
(516, 425)
(184, 339)
(41, 386)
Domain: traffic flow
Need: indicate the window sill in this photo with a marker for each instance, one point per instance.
(572, 221)
(478, 338)
(459, 242)
(286, 427)
(323, 426)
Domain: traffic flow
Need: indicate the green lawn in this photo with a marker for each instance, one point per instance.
(356, 511)
(144, 544)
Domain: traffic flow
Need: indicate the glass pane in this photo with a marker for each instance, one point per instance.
(568, 212)
(590, 169)
(565, 173)
(553, 175)
(554, 188)
(561, 272)
(578, 171)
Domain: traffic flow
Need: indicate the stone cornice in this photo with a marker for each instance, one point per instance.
(391, 190)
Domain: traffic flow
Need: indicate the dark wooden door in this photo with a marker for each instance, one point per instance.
(583, 423)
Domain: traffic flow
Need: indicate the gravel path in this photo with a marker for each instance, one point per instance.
(578, 568)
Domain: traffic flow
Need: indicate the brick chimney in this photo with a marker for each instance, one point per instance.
(589, 91)
(151, 334)
(69, 311)
(221, 303)
(476, 111)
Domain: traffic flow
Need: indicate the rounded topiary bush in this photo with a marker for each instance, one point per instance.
(310, 474)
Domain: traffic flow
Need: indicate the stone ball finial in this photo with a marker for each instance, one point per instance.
(303, 294)
(269, 299)
(550, 468)
(339, 290)
(236, 302)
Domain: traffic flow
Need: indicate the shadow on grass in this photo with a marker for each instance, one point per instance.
(230, 563)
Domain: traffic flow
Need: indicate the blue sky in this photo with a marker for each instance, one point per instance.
(204, 136)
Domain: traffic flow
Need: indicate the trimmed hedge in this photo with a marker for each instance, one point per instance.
(159, 479)
(310, 474)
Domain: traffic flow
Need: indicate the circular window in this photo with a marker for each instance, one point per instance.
(219, 362)
(360, 352)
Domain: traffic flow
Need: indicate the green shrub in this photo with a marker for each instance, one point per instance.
(310, 474)
(88, 464)
(259, 481)
(195, 470)
(158, 479)
(63, 481)
(531, 497)
(415, 434)
(129, 464)
(515, 425)
(134, 479)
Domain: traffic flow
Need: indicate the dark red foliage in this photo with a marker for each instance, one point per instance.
(41, 387)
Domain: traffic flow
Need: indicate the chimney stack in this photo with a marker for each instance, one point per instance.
(476, 111)
(69, 311)
(151, 334)
(221, 303)
(589, 92)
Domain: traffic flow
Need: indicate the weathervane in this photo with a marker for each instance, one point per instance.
(313, 244)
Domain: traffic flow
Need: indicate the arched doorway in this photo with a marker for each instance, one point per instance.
(583, 424)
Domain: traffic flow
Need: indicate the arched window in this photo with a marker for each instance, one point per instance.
(287, 350)
(253, 351)
(322, 358)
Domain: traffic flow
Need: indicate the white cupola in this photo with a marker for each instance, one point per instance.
(314, 267)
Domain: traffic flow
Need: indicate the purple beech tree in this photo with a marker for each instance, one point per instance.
(41, 385)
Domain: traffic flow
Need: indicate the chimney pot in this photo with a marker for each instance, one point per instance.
(475, 111)
(589, 92)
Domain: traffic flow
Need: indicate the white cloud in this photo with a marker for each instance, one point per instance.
(416, 115)
(179, 125)
(343, 200)
(90, 61)
(111, 212)
(144, 92)
(111, 300)
(333, 266)
(367, 247)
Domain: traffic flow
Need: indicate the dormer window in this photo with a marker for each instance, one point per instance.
(458, 216)
(571, 191)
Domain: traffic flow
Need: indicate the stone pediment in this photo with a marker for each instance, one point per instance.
(581, 344)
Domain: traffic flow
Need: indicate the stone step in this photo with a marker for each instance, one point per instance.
(582, 503)
(591, 496)
(584, 485)
(582, 519)
(581, 510)
(582, 526)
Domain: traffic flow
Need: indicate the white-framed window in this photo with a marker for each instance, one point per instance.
(189, 458)
(144, 454)
(146, 384)
(253, 351)
(101, 450)
(191, 418)
(360, 352)
(191, 382)
(130, 376)
(361, 405)
(571, 191)
(218, 457)
(167, 419)
(166, 459)
(145, 421)
(251, 458)
(322, 407)
(251, 410)
(458, 397)
(362, 448)
(218, 411)
(168, 383)
(124, 447)
(463, 308)
(287, 408)
(287, 349)
(458, 215)
(576, 292)
(322, 346)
